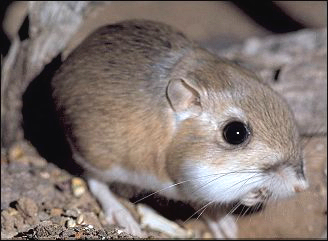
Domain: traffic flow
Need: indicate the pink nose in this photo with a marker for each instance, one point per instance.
(299, 188)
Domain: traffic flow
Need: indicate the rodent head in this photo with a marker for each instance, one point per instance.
(235, 138)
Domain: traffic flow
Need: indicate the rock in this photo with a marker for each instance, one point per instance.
(56, 211)
(80, 219)
(70, 223)
(29, 209)
(72, 212)
(24, 152)
(59, 220)
(15, 153)
(11, 223)
(43, 216)
(78, 186)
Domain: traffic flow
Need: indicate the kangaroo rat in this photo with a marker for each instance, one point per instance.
(143, 105)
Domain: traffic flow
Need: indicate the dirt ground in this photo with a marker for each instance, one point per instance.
(39, 194)
(35, 192)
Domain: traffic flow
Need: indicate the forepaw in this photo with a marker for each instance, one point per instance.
(114, 211)
(124, 219)
(255, 197)
(223, 228)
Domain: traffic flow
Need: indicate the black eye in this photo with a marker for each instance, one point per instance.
(235, 132)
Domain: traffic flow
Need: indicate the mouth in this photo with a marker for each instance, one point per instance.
(256, 197)
(252, 202)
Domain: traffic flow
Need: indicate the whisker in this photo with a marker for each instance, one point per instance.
(182, 182)
(266, 213)
(250, 218)
(258, 205)
(163, 189)
(216, 178)
(201, 213)
(172, 185)
(234, 208)
(239, 203)
(241, 213)
(204, 207)
(247, 179)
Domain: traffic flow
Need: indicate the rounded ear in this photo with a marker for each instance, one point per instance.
(183, 97)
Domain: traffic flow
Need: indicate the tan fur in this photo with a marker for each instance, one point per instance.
(111, 94)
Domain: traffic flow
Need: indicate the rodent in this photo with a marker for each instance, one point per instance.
(142, 104)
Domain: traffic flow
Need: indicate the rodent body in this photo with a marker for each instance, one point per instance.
(143, 105)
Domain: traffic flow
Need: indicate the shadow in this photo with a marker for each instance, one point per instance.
(23, 31)
(170, 209)
(4, 40)
(269, 15)
(243, 210)
(40, 123)
(177, 210)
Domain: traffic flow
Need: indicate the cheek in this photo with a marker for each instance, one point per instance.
(182, 156)
(208, 183)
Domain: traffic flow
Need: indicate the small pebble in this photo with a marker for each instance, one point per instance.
(58, 220)
(79, 219)
(37, 161)
(24, 152)
(78, 186)
(73, 212)
(56, 211)
(92, 219)
(56, 173)
(45, 175)
(69, 233)
(43, 216)
(27, 206)
(70, 223)
(15, 153)
(12, 211)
